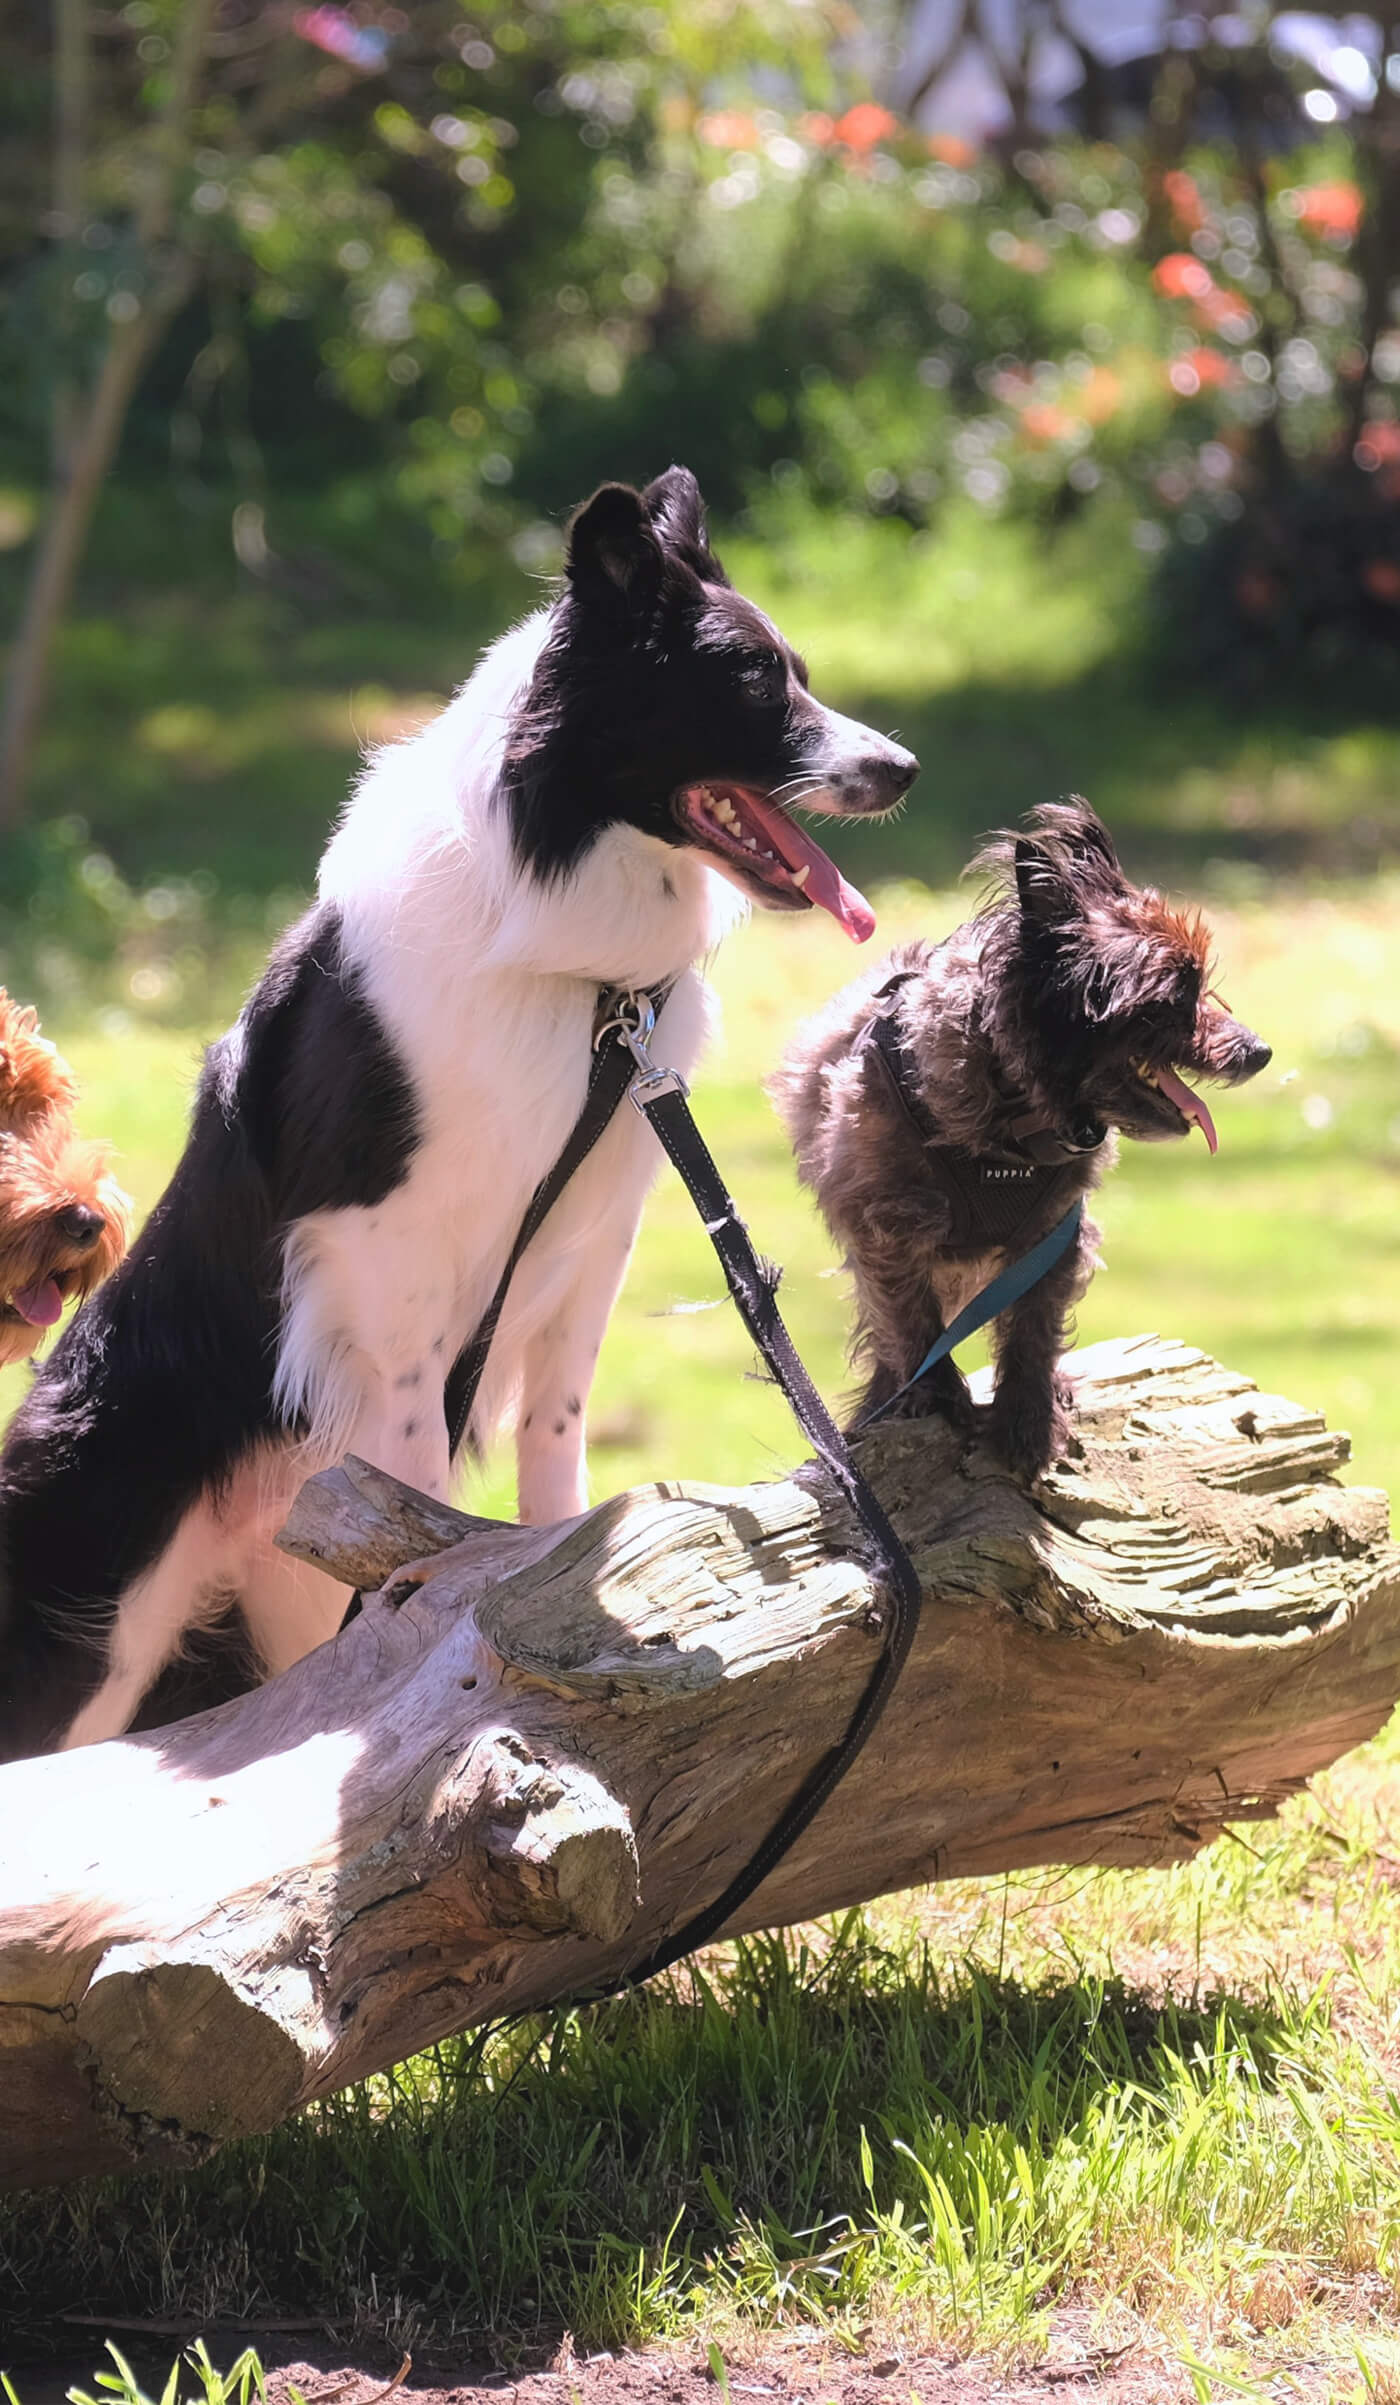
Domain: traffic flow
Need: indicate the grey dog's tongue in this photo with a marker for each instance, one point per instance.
(1190, 1104)
(40, 1304)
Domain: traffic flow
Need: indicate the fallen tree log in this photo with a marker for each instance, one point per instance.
(501, 1791)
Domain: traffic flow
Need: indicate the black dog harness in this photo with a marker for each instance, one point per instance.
(622, 1065)
(992, 1197)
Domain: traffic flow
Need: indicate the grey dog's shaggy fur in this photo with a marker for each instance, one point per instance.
(1055, 1009)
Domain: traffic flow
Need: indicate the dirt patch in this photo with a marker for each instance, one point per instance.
(792, 2375)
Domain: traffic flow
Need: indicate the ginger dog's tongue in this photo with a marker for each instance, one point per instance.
(41, 1305)
(824, 883)
(1190, 1105)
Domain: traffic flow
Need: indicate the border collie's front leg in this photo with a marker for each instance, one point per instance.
(185, 1583)
(559, 1365)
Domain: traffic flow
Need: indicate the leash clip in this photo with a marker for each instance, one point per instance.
(633, 1017)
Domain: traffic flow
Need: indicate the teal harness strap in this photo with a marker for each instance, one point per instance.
(1005, 1289)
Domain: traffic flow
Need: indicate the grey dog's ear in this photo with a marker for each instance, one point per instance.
(1042, 888)
(1067, 856)
(1084, 831)
(613, 554)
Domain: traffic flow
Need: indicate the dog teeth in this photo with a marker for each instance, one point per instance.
(799, 876)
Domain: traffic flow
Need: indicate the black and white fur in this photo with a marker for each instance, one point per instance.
(365, 1139)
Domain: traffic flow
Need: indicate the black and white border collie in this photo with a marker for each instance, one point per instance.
(595, 808)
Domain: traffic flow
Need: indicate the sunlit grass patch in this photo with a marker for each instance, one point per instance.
(861, 2133)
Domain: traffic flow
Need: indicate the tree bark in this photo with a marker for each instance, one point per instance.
(505, 1789)
(91, 431)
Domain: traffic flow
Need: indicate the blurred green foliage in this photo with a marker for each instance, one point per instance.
(537, 246)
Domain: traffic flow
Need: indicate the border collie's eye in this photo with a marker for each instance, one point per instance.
(765, 681)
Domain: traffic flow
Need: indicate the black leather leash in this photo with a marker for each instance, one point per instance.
(660, 1094)
(622, 1065)
(609, 1077)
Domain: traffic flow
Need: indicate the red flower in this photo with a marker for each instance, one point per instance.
(1333, 210)
(1180, 277)
(1379, 445)
(865, 125)
(1257, 593)
(1381, 577)
(1213, 367)
(1184, 200)
(817, 127)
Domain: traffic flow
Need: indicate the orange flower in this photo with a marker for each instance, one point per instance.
(1180, 277)
(1330, 209)
(1044, 423)
(817, 127)
(952, 150)
(729, 129)
(1100, 397)
(1184, 200)
(865, 125)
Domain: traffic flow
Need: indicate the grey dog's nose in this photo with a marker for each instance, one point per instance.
(79, 1224)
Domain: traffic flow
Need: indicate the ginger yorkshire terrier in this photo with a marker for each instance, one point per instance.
(63, 1218)
(951, 1107)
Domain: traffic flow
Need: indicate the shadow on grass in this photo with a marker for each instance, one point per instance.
(585, 2172)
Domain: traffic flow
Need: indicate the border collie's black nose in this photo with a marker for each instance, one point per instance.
(893, 768)
(79, 1224)
(1257, 1056)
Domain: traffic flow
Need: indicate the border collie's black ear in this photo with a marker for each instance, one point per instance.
(674, 505)
(612, 553)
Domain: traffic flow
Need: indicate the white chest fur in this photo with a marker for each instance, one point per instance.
(485, 982)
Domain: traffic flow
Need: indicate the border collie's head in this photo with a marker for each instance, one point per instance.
(664, 701)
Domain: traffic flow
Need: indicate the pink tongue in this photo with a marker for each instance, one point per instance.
(1190, 1105)
(41, 1305)
(825, 884)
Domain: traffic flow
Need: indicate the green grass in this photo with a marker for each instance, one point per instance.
(1161, 2101)
(1153, 2104)
(1282, 1254)
(1157, 2109)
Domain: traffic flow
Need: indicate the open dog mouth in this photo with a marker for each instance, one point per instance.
(41, 1304)
(747, 831)
(1183, 1099)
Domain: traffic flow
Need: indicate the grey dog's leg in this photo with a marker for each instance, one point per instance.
(1031, 1418)
(899, 1319)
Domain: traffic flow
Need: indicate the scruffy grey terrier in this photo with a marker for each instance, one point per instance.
(953, 1104)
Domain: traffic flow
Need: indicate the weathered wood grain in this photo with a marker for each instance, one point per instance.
(507, 1787)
